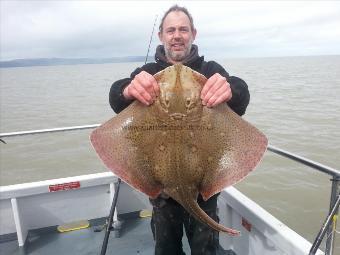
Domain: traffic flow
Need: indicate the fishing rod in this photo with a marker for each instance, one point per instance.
(109, 226)
(153, 29)
(325, 226)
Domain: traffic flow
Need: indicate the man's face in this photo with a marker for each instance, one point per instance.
(177, 36)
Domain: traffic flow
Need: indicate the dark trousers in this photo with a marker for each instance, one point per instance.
(168, 219)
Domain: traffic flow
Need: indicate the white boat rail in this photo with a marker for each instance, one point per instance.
(48, 130)
(330, 223)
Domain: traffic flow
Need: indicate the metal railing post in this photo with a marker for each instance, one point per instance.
(330, 232)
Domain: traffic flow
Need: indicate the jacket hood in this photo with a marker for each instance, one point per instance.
(192, 59)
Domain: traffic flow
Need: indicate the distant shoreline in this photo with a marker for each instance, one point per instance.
(68, 61)
(81, 61)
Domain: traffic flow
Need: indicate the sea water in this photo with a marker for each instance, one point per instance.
(295, 101)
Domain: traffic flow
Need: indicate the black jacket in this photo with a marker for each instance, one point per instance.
(240, 93)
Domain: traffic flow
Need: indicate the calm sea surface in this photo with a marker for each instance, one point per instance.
(295, 101)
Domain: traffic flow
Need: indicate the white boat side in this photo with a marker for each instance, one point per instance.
(28, 206)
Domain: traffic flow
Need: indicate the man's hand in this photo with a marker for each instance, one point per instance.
(215, 91)
(143, 87)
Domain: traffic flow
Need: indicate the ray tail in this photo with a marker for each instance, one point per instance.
(194, 209)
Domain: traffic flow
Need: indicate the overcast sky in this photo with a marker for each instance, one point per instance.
(72, 29)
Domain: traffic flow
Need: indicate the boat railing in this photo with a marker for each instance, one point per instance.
(329, 225)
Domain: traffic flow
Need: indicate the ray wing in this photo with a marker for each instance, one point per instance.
(117, 143)
(233, 148)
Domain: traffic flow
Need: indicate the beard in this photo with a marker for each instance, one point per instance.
(177, 56)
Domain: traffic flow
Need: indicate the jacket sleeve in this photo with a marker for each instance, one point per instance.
(116, 98)
(240, 95)
(239, 88)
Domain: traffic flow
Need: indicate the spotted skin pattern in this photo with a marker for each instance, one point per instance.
(178, 146)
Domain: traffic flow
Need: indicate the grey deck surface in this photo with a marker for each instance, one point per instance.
(135, 238)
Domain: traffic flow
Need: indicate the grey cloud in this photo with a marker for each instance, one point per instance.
(110, 28)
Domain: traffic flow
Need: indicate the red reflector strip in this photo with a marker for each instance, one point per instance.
(246, 224)
(64, 186)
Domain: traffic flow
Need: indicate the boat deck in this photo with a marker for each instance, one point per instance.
(135, 238)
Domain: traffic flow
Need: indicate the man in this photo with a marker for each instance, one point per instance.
(177, 33)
